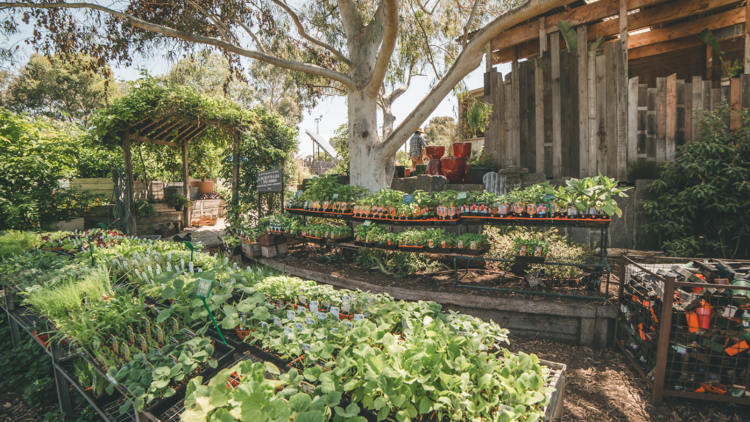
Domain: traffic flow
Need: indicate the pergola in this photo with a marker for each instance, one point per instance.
(176, 132)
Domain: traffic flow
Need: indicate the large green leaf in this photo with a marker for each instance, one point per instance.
(569, 34)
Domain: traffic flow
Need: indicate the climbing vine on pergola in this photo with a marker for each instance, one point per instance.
(173, 117)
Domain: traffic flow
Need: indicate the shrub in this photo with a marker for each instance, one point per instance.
(561, 249)
(704, 194)
(16, 242)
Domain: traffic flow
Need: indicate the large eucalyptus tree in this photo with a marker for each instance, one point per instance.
(345, 46)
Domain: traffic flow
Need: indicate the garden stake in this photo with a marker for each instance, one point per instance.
(192, 248)
(203, 292)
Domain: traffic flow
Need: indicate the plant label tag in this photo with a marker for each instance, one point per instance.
(173, 341)
(131, 335)
(303, 299)
(680, 348)
(299, 193)
(305, 347)
(307, 388)
(277, 321)
(146, 325)
(367, 223)
(345, 298)
(349, 324)
(159, 335)
(335, 196)
(321, 316)
(190, 266)
(173, 359)
(358, 317)
(189, 334)
(287, 331)
(314, 305)
(326, 304)
(461, 195)
(334, 330)
(309, 321)
(174, 325)
(290, 315)
(335, 312)
(204, 288)
(298, 326)
(142, 343)
(408, 199)
(345, 306)
(301, 311)
(115, 347)
(264, 324)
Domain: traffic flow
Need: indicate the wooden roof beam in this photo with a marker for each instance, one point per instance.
(181, 130)
(656, 15)
(161, 132)
(145, 130)
(192, 136)
(693, 27)
(578, 16)
(153, 141)
(655, 36)
(683, 43)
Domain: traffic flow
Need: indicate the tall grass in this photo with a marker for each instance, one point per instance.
(14, 242)
(72, 295)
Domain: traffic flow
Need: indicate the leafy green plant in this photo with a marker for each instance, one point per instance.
(179, 199)
(71, 295)
(144, 209)
(477, 116)
(15, 242)
(571, 39)
(703, 205)
(483, 159)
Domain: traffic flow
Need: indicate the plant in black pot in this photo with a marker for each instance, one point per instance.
(480, 165)
(179, 201)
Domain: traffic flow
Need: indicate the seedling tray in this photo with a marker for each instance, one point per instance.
(224, 354)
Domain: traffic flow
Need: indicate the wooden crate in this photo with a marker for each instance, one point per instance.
(272, 251)
(250, 250)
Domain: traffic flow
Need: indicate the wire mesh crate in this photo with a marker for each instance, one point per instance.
(685, 326)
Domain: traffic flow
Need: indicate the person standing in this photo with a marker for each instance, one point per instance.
(416, 148)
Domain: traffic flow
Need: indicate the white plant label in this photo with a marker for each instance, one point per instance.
(287, 331)
(335, 312)
(349, 324)
(264, 324)
(298, 326)
(277, 321)
(302, 299)
(358, 317)
(290, 315)
(309, 321)
(321, 316)
(314, 305)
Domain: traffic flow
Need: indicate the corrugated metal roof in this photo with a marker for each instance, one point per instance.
(323, 144)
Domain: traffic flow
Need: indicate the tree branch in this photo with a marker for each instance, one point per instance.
(424, 7)
(301, 31)
(386, 49)
(254, 36)
(468, 60)
(200, 39)
(350, 17)
(220, 26)
(468, 23)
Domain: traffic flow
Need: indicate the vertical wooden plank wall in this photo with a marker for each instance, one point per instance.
(561, 115)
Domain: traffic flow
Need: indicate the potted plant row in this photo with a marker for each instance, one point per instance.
(472, 244)
(530, 250)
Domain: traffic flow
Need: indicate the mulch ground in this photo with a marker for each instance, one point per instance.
(602, 386)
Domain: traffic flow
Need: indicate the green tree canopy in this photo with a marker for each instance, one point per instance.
(66, 89)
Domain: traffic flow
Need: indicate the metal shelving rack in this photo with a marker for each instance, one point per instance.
(469, 220)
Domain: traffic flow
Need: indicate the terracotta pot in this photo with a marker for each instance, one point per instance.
(435, 152)
(434, 168)
(204, 187)
(454, 168)
(462, 149)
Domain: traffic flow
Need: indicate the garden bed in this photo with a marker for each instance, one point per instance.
(482, 274)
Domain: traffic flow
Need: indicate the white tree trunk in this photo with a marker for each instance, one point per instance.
(367, 163)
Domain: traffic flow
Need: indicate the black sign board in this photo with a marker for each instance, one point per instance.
(271, 181)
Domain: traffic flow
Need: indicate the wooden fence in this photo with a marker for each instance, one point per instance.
(577, 115)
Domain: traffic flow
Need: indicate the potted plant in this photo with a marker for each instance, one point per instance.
(480, 165)
(472, 244)
(179, 201)
(143, 208)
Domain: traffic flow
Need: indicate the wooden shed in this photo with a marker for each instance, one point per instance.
(621, 111)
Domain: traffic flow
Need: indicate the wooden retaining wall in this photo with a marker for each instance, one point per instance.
(586, 324)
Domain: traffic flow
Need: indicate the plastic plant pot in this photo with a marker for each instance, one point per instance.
(421, 168)
(704, 318)
(461, 149)
(453, 169)
(435, 152)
